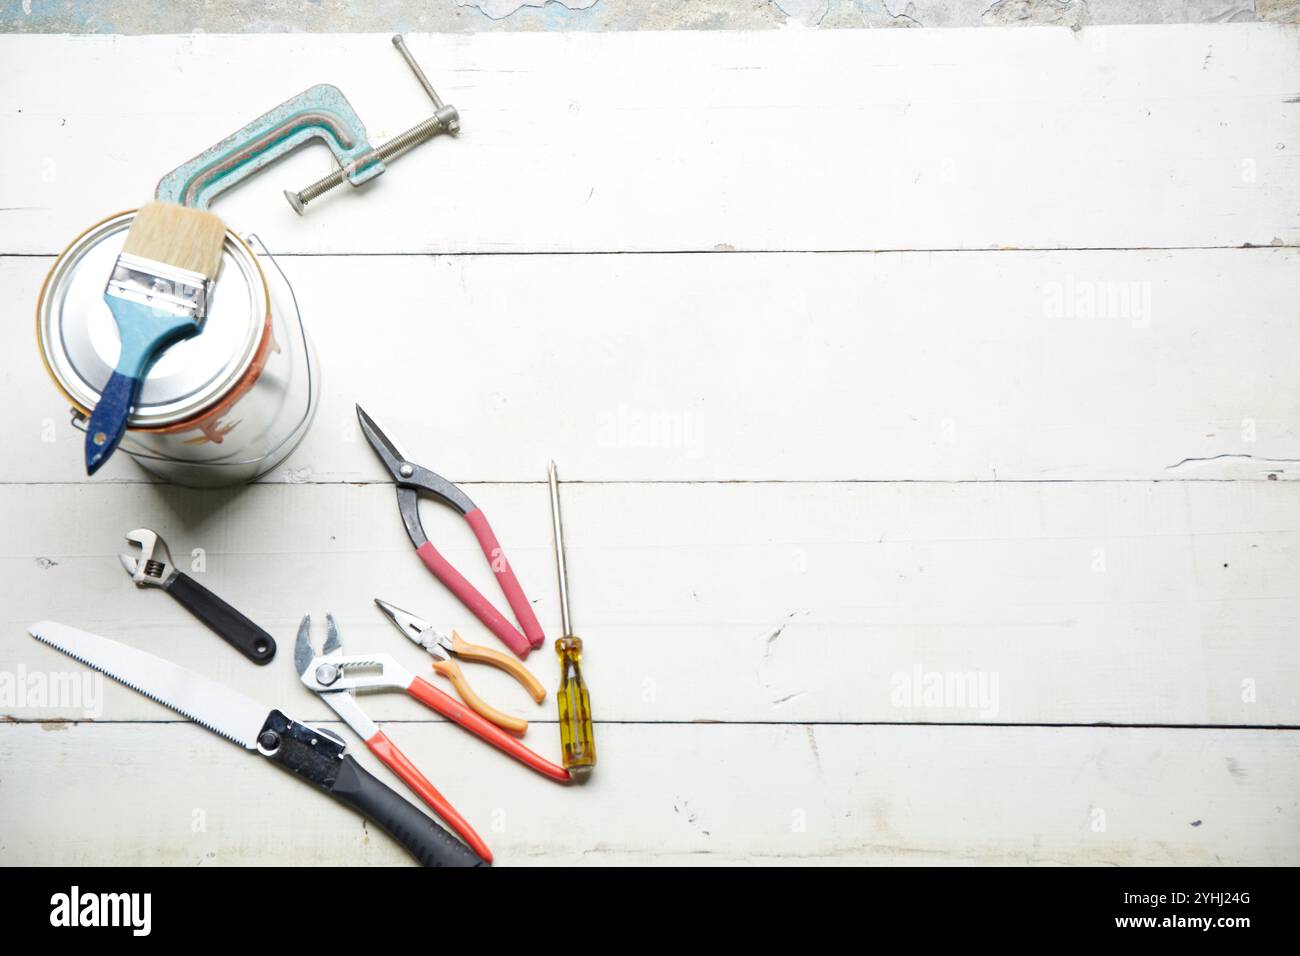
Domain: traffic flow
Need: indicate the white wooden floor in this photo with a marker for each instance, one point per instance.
(873, 357)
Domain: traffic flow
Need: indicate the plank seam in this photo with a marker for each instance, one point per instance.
(884, 250)
(1101, 725)
(688, 482)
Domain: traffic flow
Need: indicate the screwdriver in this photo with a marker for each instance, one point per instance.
(577, 739)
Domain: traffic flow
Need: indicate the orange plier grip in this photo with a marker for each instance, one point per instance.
(400, 764)
(458, 713)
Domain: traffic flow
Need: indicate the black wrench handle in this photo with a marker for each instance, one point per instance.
(237, 630)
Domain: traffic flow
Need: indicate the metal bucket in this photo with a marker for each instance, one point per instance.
(220, 408)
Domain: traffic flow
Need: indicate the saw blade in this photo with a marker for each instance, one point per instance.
(221, 710)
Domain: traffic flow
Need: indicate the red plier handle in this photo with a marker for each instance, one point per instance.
(400, 764)
(481, 607)
(458, 713)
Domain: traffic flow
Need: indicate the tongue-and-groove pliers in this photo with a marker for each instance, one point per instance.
(334, 676)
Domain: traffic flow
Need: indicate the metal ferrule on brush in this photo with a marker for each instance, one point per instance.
(160, 286)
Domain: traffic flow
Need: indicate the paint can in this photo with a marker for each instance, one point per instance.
(220, 408)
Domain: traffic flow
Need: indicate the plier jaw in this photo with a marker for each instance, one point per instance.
(418, 630)
(333, 672)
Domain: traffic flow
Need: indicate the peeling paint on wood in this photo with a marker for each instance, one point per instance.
(475, 16)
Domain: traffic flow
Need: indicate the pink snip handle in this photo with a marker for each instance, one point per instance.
(468, 595)
(506, 578)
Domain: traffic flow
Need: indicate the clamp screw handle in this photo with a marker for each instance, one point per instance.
(400, 43)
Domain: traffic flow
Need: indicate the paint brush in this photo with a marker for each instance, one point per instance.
(158, 295)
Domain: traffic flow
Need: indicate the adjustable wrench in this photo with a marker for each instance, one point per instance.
(152, 566)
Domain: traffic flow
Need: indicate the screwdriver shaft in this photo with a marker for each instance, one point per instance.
(561, 568)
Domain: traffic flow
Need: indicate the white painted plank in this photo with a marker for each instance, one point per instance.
(135, 794)
(1164, 603)
(785, 611)
(880, 139)
(951, 366)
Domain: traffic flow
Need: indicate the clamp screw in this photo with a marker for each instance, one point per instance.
(269, 741)
(445, 119)
(406, 471)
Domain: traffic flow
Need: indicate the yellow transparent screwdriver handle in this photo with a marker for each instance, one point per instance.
(577, 738)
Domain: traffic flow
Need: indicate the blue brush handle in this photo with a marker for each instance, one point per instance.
(145, 333)
(108, 420)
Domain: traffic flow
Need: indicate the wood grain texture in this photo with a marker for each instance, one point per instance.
(882, 139)
(682, 795)
(1166, 603)
(946, 366)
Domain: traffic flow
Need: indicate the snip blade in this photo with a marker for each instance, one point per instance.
(387, 449)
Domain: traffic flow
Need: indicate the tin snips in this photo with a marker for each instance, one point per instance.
(411, 479)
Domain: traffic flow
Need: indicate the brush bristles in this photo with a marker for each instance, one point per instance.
(189, 239)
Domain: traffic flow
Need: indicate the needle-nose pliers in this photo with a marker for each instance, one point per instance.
(447, 649)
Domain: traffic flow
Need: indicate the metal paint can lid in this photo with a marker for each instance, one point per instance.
(79, 338)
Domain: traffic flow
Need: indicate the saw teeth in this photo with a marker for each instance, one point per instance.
(139, 690)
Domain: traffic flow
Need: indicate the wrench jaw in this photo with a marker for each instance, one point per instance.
(150, 565)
